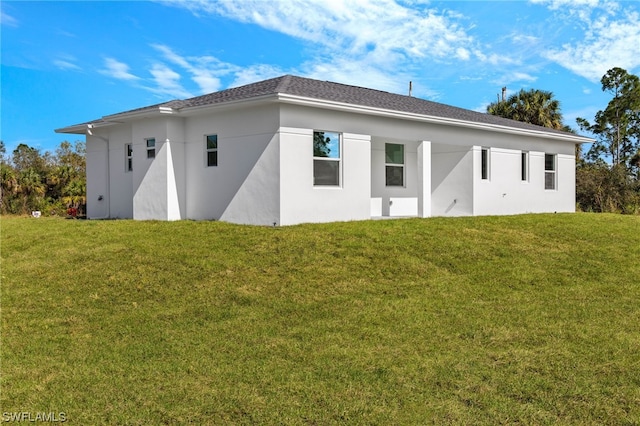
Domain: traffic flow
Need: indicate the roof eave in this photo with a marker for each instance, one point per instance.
(77, 129)
(270, 97)
(301, 100)
(151, 112)
(85, 128)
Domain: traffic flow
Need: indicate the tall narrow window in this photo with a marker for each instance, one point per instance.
(549, 171)
(151, 148)
(212, 150)
(524, 166)
(128, 158)
(394, 164)
(326, 158)
(485, 163)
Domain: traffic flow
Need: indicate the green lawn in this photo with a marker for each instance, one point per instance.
(530, 319)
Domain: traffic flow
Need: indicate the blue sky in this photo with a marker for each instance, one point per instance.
(64, 63)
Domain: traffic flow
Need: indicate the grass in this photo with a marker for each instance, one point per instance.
(530, 319)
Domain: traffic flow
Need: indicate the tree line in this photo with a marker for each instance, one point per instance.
(608, 174)
(52, 183)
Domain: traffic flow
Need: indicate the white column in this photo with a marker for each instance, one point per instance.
(424, 179)
(173, 203)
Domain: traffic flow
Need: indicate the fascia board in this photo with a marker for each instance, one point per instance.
(139, 114)
(78, 129)
(81, 129)
(228, 104)
(119, 118)
(185, 111)
(339, 106)
(113, 119)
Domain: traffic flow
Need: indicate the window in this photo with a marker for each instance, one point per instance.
(549, 171)
(211, 150)
(524, 166)
(485, 163)
(128, 158)
(394, 164)
(326, 159)
(151, 148)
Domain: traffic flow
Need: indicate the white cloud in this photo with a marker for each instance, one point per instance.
(65, 65)
(204, 70)
(462, 53)
(482, 107)
(8, 20)
(558, 4)
(375, 43)
(513, 77)
(66, 62)
(494, 58)
(168, 82)
(118, 70)
(255, 73)
(372, 28)
(611, 37)
(607, 44)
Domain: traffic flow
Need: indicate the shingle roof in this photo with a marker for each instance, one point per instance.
(341, 93)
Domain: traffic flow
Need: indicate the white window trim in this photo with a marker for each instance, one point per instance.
(338, 160)
(207, 150)
(150, 148)
(553, 172)
(404, 169)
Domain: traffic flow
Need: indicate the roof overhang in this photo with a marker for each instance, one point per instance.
(382, 112)
(109, 120)
(85, 128)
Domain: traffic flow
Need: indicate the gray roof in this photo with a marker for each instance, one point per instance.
(342, 93)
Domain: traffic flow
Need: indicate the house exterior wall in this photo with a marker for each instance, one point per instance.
(174, 147)
(456, 185)
(301, 201)
(120, 195)
(505, 193)
(151, 175)
(451, 180)
(244, 186)
(109, 185)
(264, 174)
(424, 179)
(97, 166)
(394, 200)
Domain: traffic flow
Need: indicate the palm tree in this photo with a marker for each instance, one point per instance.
(32, 189)
(74, 194)
(8, 186)
(530, 106)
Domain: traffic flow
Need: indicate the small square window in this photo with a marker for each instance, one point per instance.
(211, 150)
(151, 148)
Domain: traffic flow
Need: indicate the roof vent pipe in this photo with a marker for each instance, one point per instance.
(410, 87)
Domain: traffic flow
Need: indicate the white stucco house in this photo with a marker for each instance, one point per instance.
(290, 150)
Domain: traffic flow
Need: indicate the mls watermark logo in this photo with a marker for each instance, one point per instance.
(33, 417)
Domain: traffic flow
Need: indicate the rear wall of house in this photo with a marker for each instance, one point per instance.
(244, 185)
(457, 187)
